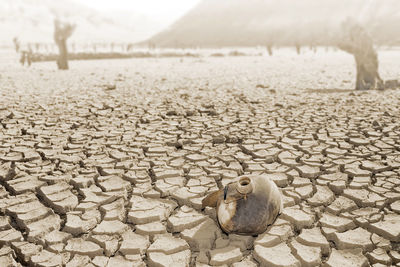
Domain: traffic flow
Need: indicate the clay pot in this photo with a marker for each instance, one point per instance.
(247, 205)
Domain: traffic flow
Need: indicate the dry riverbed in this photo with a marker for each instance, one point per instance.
(107, 164)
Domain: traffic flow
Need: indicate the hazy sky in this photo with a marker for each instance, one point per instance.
(160, 10)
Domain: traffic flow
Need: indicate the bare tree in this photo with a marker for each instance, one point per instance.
(129, 47)
(269, 49)
(16, 44)
(62, 31)
(357, 42)
(94, 46)
(298, 48)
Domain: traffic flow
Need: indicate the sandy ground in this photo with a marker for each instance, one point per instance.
(97, 177)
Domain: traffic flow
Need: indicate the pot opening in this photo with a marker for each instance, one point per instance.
(244, 186)
(244, 183)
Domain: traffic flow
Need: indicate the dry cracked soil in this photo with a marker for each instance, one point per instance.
(106, 164)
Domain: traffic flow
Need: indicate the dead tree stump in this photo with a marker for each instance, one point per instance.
(357, 42)
(62, 31)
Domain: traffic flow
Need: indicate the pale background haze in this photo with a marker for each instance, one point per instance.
(165, 11)
(198, 23)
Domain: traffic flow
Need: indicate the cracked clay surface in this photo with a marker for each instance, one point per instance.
(94, 177)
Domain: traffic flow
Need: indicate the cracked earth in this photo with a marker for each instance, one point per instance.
(107, 164)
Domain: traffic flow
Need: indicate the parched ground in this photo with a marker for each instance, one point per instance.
(92, 175)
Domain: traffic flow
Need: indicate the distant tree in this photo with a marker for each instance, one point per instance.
(313, 46)
(269, 49)
(356, 41)
(129, 47)
(298, 48)
(62, 31)
(16, 44)
(22, 59)
(151, 46)
(26, 54)
(29, 55)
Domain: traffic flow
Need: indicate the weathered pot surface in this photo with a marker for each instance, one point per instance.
(247, 205)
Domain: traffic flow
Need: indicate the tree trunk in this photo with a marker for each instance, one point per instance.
(269, 49)
(62, 61)
(367, 72)
(357, 42)
(298, 49)
(62, 31)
